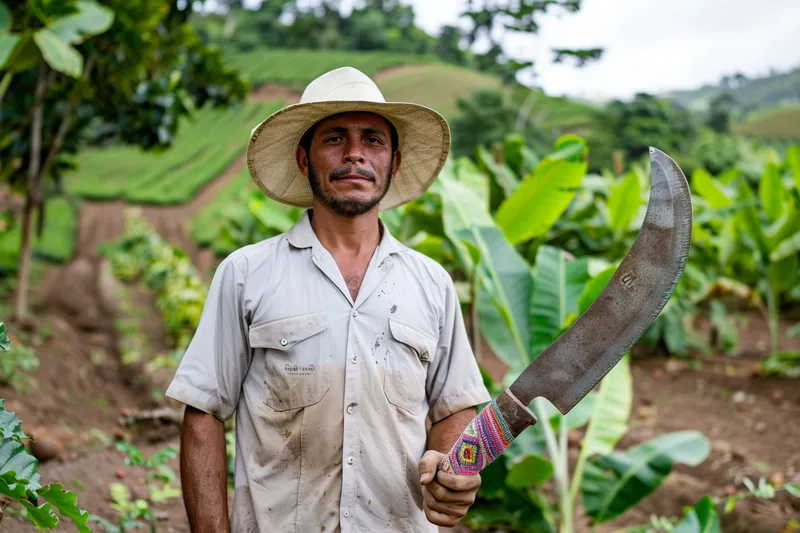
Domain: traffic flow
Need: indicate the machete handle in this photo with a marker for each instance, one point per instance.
(488, 435)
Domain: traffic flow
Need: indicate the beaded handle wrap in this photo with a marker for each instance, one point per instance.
(488, 435)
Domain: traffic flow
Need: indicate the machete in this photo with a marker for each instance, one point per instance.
(578, 359)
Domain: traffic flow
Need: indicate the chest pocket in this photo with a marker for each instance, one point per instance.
(294, 359)
(410, 351)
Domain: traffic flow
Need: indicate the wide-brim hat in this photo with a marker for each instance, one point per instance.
(423, 138)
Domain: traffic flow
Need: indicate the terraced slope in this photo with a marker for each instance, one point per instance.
(203, 149)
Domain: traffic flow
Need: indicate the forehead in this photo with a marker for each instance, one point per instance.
(354, 120)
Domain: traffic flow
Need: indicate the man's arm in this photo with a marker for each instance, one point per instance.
(446, 497)
(204, 472)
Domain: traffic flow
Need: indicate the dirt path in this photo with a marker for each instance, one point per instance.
(101, 222)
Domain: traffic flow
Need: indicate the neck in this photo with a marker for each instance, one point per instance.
(348, 235)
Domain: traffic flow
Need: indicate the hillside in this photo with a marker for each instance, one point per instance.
(757, 93)
(778, 123)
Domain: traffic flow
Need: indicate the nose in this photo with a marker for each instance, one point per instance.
(353, 153)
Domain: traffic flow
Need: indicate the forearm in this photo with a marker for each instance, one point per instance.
(204, 472)
(444, 433)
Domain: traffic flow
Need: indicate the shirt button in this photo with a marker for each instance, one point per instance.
(346, 514)
(351, 408)
(284, 342)
(349, 460)
(355, 313)
(354, 358)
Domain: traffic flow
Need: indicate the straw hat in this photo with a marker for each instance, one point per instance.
(424, 138)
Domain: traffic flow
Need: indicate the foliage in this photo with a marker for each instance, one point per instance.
(174, 177)
(142, 255)
(130, 83)
(15, 366)
(19, 479)
(206, 224)
(132, 511)
(57, 241)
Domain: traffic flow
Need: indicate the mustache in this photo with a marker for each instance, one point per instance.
(342, 172)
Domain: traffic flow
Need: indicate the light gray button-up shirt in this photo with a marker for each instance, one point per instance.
(331, 395)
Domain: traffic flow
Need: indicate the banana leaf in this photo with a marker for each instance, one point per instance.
(540, 199)
(702, 518)
(559, 280)
(614, 483)
(793, 156)
(771, 192)
(624, 202)
(708, 188)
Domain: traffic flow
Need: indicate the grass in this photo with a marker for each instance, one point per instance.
(779, 123)
(58, 238)
(435, 85)
(295, 68)
(203, 148)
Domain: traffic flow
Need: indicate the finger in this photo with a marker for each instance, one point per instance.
(454, 509)
(459, 483)
(427, 466)
(438, 518)
(443, 494)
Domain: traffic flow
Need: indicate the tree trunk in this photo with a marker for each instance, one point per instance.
(32, 195)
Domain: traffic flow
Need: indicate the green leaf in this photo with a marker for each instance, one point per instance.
(793, 489)
(43, 515)
(559, 282)
(5, 19)
(624, 201)
(67, 504)
(7, 43)
(787, 247)
(24, 55)
(570, 148)
(91, 19)
(702, 518)
(706, 186)
(17, 465)
(611, 412)
(504, 296)
(531, 471)
(793, 156)
(10, 425)
(782, 274)
(593, 289)
(58, 54)
(500, 173)
(751, 224)
(540, 200)
(785, 364)
(614, 483)
(5, 343)
(771, 192)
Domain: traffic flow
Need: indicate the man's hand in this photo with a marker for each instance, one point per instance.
(446, 497)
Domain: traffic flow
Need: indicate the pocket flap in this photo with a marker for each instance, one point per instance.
(284, 333)
(423, 343)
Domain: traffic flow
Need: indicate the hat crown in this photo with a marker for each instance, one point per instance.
(342, 84)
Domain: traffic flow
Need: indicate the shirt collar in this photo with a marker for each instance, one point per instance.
(301, 235)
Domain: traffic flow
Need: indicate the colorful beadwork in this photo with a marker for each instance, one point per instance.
(484, 439)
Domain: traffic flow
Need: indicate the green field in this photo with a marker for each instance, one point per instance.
(434, 85)
(206, 223)
(296, 68)
(203, 148)
(780, 123)
(58, 238)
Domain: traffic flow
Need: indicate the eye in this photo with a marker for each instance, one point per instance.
(333, 138)
(374, 140)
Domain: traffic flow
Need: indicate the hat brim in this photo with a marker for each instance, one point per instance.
(424, 141)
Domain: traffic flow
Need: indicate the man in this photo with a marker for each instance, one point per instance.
(333, 342)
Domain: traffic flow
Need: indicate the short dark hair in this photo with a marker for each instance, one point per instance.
(305, 140)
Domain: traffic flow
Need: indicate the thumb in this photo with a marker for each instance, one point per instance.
(427, 466)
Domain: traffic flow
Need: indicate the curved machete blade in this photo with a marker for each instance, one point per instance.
(637, 292)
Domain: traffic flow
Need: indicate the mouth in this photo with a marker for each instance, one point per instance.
(352, 178)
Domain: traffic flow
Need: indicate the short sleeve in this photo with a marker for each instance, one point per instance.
(454, 379)
(217, 360)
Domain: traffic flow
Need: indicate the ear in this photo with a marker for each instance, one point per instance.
(397, 157)
(302, 160)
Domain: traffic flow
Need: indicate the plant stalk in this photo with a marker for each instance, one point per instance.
(476, 318)
(559, 467)
(32, 195)
(774, 318)
(566, 501)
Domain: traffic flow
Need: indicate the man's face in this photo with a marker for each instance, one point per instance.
(350, 164)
